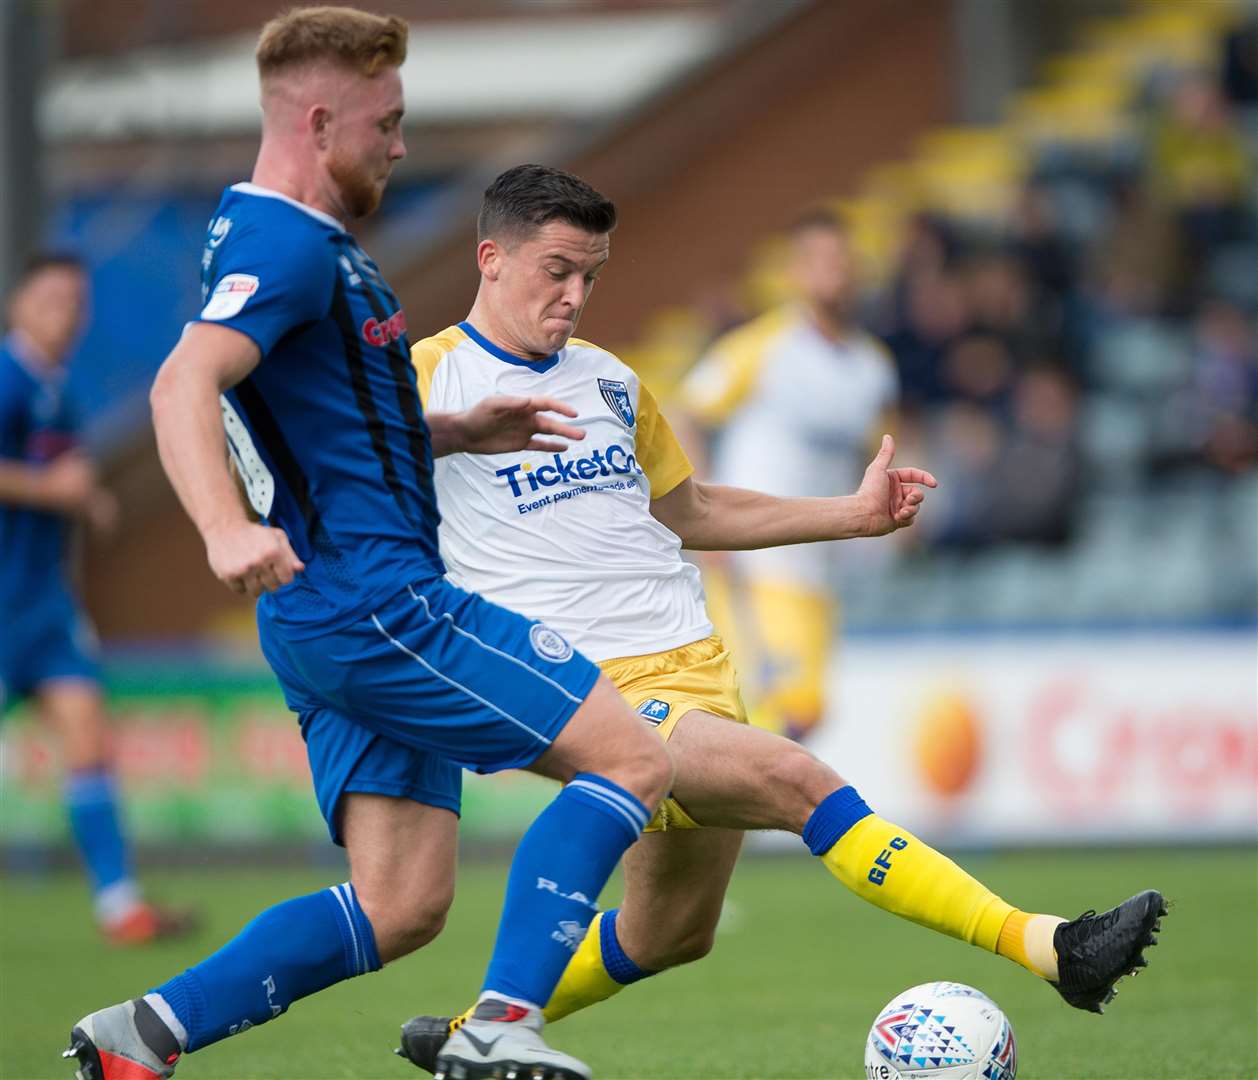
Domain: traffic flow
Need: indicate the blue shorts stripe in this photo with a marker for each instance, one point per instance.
(457, 685)
(497, 652)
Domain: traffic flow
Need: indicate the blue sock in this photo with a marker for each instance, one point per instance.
(288, 952)
(617, 962)
(559, 869)
(92, 805)
(834, 815)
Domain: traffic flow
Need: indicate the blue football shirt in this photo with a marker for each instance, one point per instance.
(327, 431)
(37, 423)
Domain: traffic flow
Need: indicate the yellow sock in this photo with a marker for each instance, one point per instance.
(894, 870)
(585, 980)
(1027, 939)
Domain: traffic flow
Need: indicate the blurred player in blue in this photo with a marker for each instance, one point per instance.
(48, 486)
(399, 678)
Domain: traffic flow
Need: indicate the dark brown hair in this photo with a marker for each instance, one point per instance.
(528, 196)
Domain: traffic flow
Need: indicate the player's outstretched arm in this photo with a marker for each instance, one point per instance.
(710, 517)
(501, 424)
(187, 418)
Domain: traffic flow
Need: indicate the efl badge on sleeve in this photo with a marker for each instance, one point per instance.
(616, 394)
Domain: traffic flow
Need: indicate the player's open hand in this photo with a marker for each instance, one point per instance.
(500, 424)
(251, 559)
(893, 495)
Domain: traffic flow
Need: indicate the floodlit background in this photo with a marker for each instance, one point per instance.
(1056, 207)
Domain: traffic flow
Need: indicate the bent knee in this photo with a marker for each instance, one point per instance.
(646, 769)
(422, 928)
(401, 927)
(800, 780)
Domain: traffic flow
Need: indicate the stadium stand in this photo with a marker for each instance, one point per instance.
(1070, 299)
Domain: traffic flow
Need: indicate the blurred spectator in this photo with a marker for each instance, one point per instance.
(934, 314)
(1015, 481)
(1137, 266)
(1213, 418)
(1202, 167)
(930, 247)
(966, 443)
(1240, 65)
(999, 296)
(1041, 245)
(979, 368)
(1035, 485)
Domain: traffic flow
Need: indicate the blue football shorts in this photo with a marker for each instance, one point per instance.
(433, 681)
(45, 642)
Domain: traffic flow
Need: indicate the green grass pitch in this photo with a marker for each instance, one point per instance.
(799, 971)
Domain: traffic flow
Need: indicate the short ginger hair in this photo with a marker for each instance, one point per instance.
(357, 40)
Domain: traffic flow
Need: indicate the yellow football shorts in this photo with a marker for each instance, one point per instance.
(663, 687)
(783, 635)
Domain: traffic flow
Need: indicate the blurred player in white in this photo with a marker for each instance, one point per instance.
(589, 539)
(793, 401)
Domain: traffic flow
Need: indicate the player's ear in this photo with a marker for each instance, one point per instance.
(489, 259)
(318, 120)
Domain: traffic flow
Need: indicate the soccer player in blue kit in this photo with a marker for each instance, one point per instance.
(400, 679)
(47, 646)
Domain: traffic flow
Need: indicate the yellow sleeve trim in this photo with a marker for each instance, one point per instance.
(427, 354)
(659, 453)
(723, 378)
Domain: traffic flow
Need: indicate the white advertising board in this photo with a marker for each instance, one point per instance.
(1036, 738)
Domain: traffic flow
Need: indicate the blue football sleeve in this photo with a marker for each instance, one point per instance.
(268, 281)
(12, 403)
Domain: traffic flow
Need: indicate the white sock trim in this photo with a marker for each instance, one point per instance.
(158, 1004)
(115, 902)
(496, 996)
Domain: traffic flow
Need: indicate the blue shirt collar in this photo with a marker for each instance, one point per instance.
(510, 358)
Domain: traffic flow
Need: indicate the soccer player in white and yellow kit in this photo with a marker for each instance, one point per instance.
(589, 540)
(793, 402)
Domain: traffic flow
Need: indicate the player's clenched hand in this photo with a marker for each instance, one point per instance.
(893, 496)
(500, 424)
(251, 558)
(69, 481)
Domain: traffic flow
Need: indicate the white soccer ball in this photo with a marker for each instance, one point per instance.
(941, 1030)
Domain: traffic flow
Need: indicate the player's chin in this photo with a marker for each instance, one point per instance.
(556, 333)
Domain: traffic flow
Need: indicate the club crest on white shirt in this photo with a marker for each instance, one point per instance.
(616, 394)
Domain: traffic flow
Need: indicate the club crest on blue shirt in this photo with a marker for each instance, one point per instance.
(549, 644)
(616, 394)
(654, 711)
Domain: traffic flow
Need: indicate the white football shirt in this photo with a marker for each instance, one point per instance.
(796, 415)
(566, 537)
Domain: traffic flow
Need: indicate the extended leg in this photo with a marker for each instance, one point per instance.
(740, 777)
(401, 856)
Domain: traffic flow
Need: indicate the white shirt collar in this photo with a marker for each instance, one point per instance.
(246, 187)
(29, 356)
